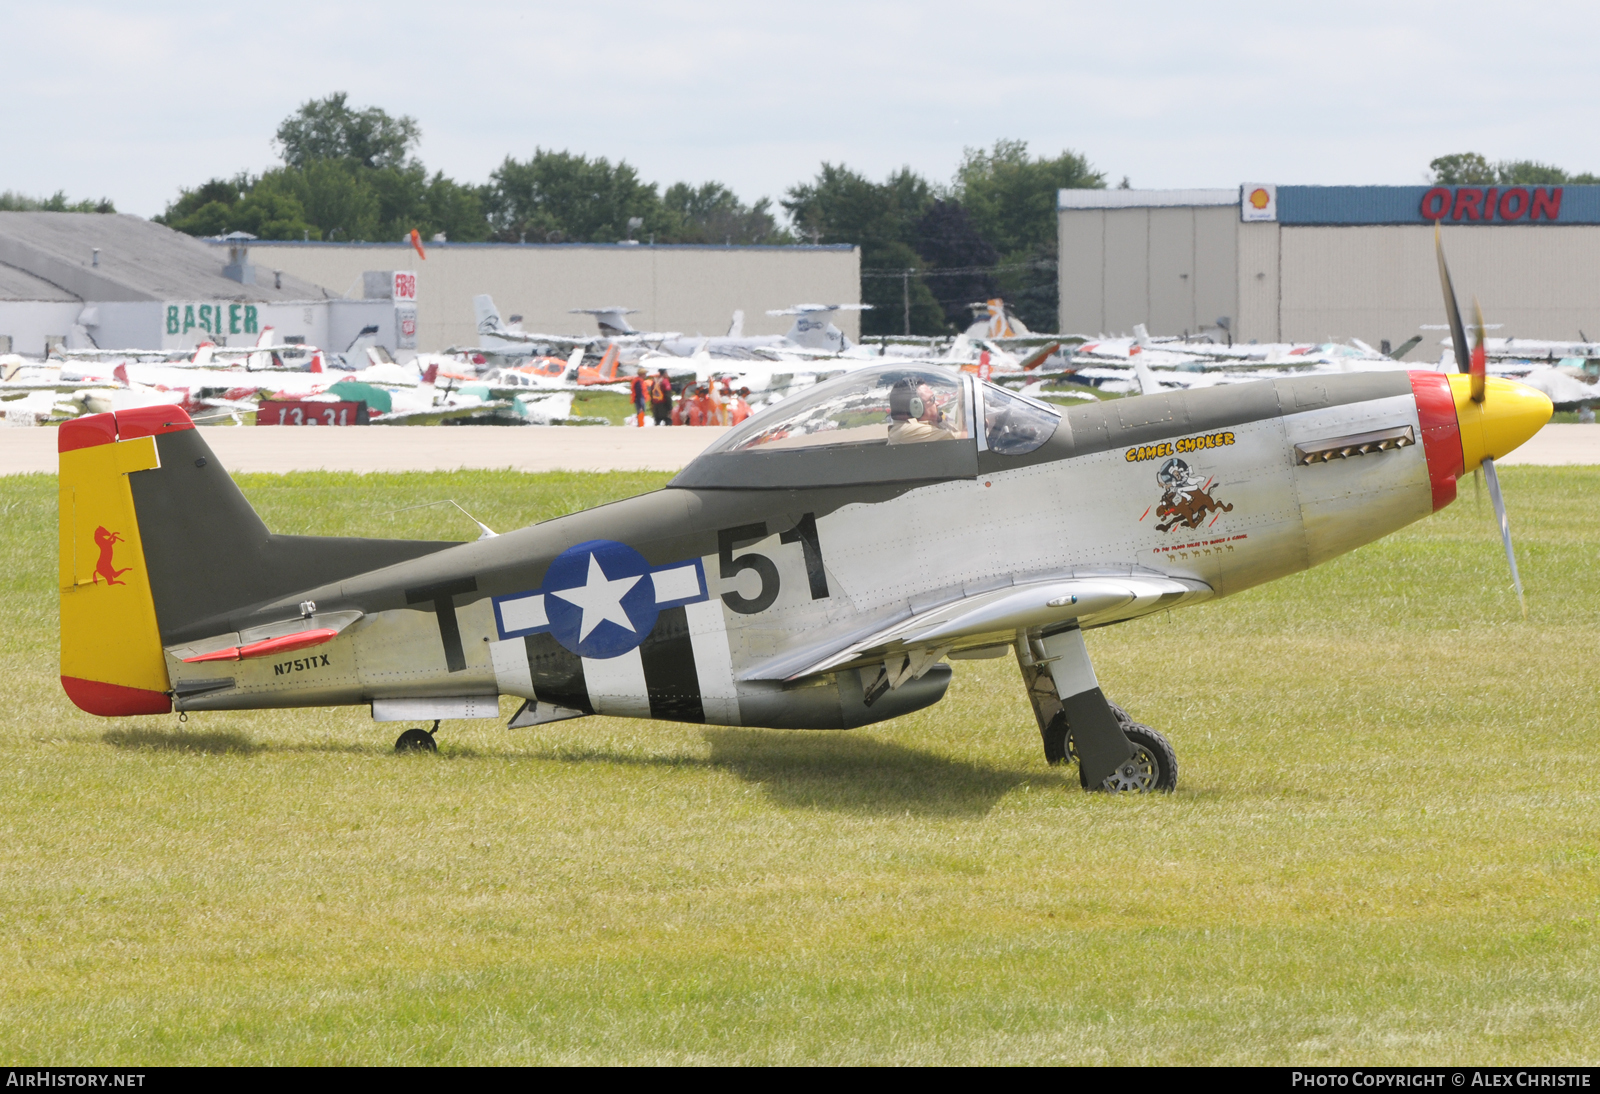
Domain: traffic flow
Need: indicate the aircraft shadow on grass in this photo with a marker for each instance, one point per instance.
(862, 775)
(177, 740)
(835, 772)
(804, 770)
(233, 742)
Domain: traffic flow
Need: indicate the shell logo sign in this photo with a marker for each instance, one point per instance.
(1258, 202)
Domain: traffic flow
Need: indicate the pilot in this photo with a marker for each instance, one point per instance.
(917, 416)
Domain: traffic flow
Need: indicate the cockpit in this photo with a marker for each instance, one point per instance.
(886, 423)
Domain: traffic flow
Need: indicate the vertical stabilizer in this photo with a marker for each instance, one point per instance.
(487, 315)
(111, 658)
(158, 547)
(813, 329)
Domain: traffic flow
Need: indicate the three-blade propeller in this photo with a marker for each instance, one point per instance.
(1476, 367)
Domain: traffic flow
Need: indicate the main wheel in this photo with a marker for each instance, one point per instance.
(1057, 741)
(1153, 767)
(416, 740)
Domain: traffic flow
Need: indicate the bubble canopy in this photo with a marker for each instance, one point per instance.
(886, 423)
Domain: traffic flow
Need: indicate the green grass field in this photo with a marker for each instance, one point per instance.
(1385, 846)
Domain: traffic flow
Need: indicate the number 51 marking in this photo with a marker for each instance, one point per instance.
(803, 533)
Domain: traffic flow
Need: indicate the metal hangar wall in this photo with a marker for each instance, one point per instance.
(693, 289)
(1308, 263)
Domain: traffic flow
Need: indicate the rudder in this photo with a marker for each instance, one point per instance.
(159, 547)
(111, 656)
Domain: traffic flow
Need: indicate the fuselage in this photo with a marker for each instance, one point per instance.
(708, 600)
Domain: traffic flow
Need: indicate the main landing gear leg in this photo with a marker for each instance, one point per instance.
(1075, 719)
(418, 740)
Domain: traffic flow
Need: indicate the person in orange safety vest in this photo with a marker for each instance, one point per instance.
(660, 393)
(638, 391)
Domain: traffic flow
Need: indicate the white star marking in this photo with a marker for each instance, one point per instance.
(600, 598)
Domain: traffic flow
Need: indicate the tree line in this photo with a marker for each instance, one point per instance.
(352, 175)
(58, 202)
(927, 249)
(1474, 169)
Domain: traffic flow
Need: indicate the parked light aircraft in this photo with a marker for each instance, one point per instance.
(1204, 356)
(783, 368)
(504, 340)
(1565, 371)
(1537, 350)
(812, 330)
(994, 321)
(814, 569)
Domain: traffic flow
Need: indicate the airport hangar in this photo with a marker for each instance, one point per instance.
(116, 281)
(86, 280)
(1271, 263)
(689, 288)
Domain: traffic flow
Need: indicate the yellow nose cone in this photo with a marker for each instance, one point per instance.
(1509, 414)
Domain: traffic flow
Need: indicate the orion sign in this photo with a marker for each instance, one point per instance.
(1474, 205)
(1508, 205)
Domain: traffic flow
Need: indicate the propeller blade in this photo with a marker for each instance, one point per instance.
(1505, 527)
(1458, 334)
(1480, 356)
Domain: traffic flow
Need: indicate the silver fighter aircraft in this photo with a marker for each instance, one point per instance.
(818, 568)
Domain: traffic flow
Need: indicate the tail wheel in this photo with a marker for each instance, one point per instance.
(418, 740)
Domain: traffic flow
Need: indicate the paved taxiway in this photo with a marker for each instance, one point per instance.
(414, 448)
(540, 448)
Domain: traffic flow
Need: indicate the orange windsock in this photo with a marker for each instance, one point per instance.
(416, 241)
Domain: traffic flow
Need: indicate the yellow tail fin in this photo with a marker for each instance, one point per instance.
(111, 658)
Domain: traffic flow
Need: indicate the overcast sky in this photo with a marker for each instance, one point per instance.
(133, 102)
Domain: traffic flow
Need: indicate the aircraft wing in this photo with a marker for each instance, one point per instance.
(991, 617)
(1034, 341)
(109, 354)
(799, 353)
(517, 337)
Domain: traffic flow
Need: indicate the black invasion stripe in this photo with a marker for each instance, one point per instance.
(669, 674)
(557, 673)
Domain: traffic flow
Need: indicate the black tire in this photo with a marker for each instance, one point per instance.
(1057, 741)
(416, 740)
(1153, 753)
(1155, 763)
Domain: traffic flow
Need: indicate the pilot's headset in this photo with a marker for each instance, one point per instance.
(904, 402)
